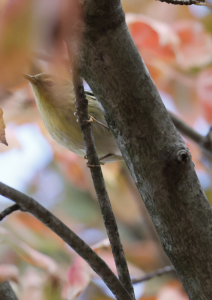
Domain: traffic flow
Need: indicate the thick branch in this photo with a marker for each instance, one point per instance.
(96, 263)
(81, 105)
(6, 292)
(155, 153)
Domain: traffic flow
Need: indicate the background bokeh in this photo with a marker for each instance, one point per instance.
(176, 45)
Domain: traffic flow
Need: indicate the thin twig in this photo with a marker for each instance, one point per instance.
(154, 274)
(6, 292)
(46, 217)
(81, 105)
(8, 211)
(203, 141)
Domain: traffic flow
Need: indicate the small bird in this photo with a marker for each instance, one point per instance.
(55, 101)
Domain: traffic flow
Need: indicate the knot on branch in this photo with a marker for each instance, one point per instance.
(182, 156)
(175, 163)
(176, 156)
(179, 157)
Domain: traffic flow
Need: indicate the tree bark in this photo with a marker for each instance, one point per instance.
(157, 157)
(6, 292)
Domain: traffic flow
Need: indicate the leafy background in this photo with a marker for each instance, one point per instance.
(176, 45)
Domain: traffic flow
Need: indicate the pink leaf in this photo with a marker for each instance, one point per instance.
(78, 278)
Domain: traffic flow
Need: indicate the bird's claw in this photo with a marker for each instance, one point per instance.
(93, 166)
(91, 120)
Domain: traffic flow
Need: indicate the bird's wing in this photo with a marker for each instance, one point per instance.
(90, 95)
(94, 107)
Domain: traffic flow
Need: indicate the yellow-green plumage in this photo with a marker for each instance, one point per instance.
(55, 101)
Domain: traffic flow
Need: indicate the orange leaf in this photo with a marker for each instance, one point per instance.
(195, 49)
(2, 129)
(152, 37)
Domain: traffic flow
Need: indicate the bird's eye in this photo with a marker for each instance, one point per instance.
(50, 83)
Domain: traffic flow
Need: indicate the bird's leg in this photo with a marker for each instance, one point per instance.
(100, 162)
(93, 166)
(106, 156)
(92, 120)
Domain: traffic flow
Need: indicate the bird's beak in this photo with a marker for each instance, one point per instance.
(31, 79)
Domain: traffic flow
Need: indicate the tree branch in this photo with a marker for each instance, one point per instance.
(81, 105)
(8, 211)
(154, 274)
(6, 292)
(96, 263)
(204, 142)
(155, 153)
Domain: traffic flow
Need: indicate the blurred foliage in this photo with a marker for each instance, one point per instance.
(176, 45)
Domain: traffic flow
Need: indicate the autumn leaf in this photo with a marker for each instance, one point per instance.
(152, 37)
(2, 129)
(156, 41)
(195, 46)
(78, 278)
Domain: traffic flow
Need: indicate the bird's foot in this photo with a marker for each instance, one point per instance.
(100, 162)
(92, 120)
(93, 166)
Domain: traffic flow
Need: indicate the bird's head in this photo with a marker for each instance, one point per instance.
(50, 89)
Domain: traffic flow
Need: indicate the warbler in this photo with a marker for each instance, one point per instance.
(55, 101)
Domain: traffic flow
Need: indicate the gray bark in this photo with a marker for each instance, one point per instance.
(156, 155)
(6, 292)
